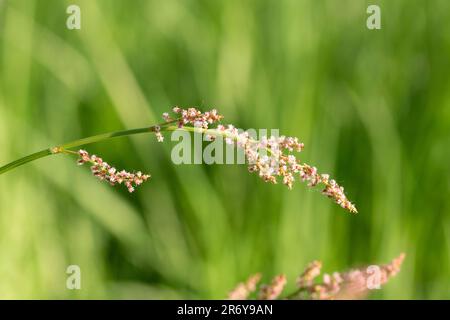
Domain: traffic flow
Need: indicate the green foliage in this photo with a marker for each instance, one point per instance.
(371, 106)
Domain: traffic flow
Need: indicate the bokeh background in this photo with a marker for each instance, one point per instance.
(372, 107)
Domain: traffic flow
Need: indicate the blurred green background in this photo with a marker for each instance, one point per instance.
(371, 106)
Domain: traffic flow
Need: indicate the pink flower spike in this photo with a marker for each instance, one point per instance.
(104, 172)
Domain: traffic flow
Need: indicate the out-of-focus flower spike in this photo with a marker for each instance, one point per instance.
(274, 289)
(243, 290)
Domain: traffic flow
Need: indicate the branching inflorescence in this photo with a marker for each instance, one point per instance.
(352, 284)
(272, 158)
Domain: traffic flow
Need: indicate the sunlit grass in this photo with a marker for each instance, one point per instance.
(371, 107)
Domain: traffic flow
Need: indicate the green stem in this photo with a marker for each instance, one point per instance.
(81, 142)
(22, 161)
(63, 148)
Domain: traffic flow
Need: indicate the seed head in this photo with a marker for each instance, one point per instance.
(272, 157)
(104, 172)
(273, 290)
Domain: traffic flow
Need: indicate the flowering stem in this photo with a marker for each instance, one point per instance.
(78, 143)
(22, 161)
(283, 163)
(64, 148)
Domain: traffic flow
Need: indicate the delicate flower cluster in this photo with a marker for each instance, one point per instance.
(266, 292)
(353, 284)
(332, 190)
(271, 157)
(274, 289)
(194, 117)
(105, 172)
(158, 134)
(191, 116)
(311, 272)
(244, 289)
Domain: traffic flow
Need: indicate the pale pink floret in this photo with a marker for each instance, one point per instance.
(166, 117)
(158, 134)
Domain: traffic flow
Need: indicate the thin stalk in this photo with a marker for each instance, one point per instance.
(63, 148)
(22, 161)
